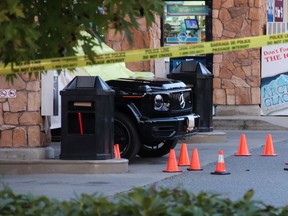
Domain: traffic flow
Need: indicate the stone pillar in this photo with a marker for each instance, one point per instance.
(141, 39)
(21, 123)
(237, 74)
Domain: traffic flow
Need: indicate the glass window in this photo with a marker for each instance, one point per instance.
(184, 22)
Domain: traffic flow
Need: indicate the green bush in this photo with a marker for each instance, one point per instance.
(139, 201)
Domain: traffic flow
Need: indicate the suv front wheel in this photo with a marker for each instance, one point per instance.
(158, 149)
(126, 136)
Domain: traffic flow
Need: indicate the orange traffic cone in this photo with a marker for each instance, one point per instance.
(243, 148)
(269, 148)
(195, 162)
(172, 163)
(220, 166)
(117, 151)
(184, 157)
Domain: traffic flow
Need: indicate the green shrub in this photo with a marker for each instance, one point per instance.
(139, 201)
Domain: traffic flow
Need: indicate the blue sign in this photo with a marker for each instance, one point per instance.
(182, 36)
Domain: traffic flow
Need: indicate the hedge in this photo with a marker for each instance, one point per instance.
(139, 201)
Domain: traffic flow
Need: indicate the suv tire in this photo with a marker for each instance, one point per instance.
(126, 136)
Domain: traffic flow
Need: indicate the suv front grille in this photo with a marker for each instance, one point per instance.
(177, 101)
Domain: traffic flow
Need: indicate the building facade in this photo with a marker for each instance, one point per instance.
(236, 83)
(237, 75)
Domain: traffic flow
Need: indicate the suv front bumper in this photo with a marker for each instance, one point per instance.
(169, 128)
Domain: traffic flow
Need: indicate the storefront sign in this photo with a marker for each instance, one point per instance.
(274, 59)
(186, 10)
(274, 82)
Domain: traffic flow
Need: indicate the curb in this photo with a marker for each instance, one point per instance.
(249, 123)
(51, 166)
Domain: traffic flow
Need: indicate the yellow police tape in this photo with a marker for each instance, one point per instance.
(147, 54)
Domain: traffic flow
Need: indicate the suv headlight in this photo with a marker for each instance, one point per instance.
(160, 104)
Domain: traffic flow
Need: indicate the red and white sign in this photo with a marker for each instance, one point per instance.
(7, 93)
(274, 60)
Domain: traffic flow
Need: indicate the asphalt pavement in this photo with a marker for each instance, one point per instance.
(265, 175)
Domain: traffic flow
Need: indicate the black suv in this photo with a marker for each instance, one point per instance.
(151, 114)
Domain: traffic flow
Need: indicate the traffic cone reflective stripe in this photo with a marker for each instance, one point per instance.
(220, 166)
(172, 162)
(195, 162)
(184, 157)
(269, 147)
(243, 147)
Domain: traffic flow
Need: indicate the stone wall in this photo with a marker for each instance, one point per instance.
(142, 38)
(237, 74)
(21, 123)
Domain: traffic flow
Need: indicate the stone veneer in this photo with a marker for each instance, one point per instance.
(237, 74)
(142, 38)
(21, 123)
